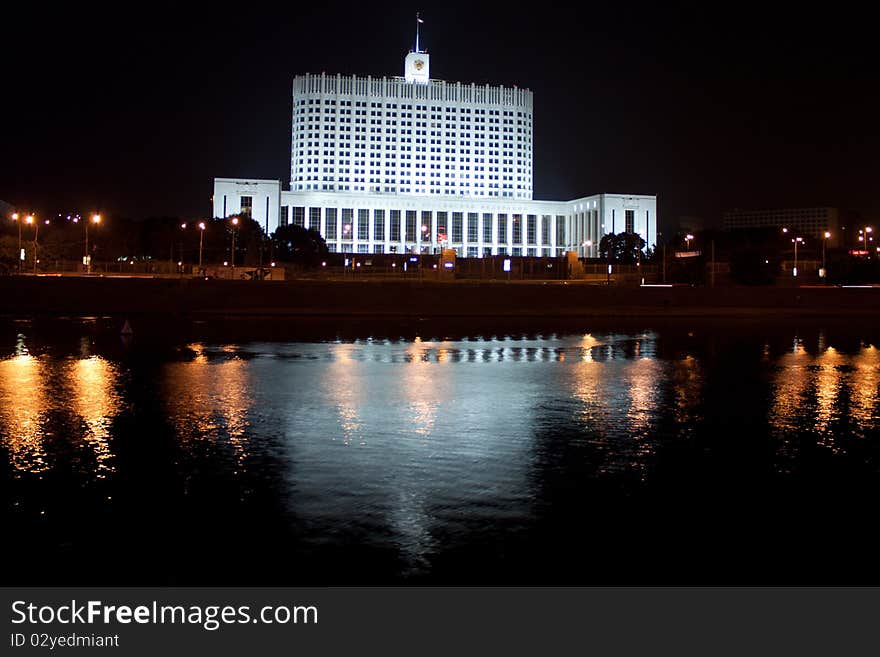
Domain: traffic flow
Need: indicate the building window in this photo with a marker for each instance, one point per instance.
(282, 218)
(457, 220)
(347, 221)
(442, 227)
(517, 230)
(545, 229)
(487, 227)
(363, 225)
(379, 226)
(425, 228)
(330, 219)
(247, 205)
(630, 216)
(473, 227)
(410, 225)
(532, 229)
(502, 229)
(560, 230)
(314, 219)
(395, 225)
(299, 216)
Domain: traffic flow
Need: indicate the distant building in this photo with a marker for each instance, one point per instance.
(415, 164)
(812, 222)
(690, 224)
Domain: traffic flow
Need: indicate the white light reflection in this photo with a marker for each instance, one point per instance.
(209, 400)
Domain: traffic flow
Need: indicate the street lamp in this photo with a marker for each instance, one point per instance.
(234, 224)
(31, 220)
(824, 241)
(87, 259)
(18, 256)
(687, 239)
(586, 244)
(423, 239)
(201, 241)
(346, 235)
(796, 240)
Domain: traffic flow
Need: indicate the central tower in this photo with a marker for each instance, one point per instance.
(416, 67)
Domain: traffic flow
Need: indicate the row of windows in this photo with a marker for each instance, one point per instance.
(460, 251)
(419, 189)
(412, 226)
(330, 103)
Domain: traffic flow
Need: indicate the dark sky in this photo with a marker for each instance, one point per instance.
(133, 109)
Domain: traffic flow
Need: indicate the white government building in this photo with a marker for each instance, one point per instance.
(394, 165)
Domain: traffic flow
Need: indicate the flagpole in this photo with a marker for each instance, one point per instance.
(417, 31)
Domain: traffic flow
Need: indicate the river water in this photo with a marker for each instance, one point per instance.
(273, 453)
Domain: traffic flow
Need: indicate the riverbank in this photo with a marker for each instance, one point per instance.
(389, 299)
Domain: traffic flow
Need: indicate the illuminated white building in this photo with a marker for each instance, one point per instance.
(383, 165)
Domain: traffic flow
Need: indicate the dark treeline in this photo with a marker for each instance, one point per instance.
(169, 239)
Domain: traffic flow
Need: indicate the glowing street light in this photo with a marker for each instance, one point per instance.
(826, 235)
(30, 220)
(232, 252)
(201, 240)
(87, 259)
(20, 258)
(586, 244)
(796, 241)
(688, 238)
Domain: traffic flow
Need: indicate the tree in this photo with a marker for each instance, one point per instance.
(299, 245)
(623, 248)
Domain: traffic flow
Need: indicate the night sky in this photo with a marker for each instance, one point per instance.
(133, 110)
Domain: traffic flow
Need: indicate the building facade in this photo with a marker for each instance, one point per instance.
(385, 165)
(812, 222)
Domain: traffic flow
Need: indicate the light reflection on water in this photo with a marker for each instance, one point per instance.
(92, 397)
(210, 401)
(34, 388)
(22, 405)
(828, 394)
(408, 446)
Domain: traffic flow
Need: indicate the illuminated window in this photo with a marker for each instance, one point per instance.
(330, 219)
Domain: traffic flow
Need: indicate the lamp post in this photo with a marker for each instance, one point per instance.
(687, 239)
(232, 253)
(824, 241)
(346, 235)
(201, 241)
(18, 253)
(95, 219)
(421, 241)
(180, 249)
(31, 220)
(796, 240)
